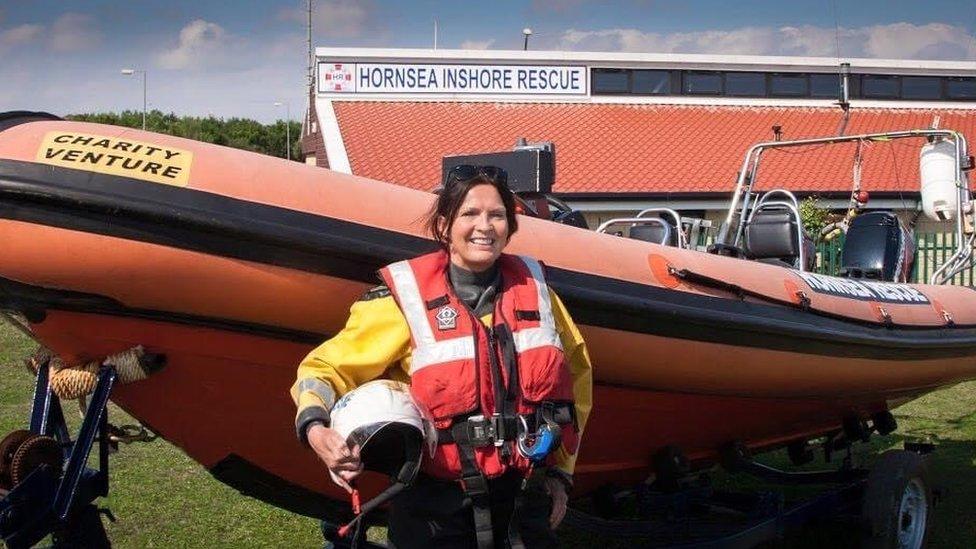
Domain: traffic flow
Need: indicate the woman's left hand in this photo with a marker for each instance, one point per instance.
(557, 490)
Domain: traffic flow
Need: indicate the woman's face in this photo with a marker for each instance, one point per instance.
(480, 230)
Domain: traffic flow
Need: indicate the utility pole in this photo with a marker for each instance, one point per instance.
(311, 53)
(145, 88)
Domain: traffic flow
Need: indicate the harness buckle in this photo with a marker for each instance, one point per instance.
(480, 432)
(498, 430)
(475, 485)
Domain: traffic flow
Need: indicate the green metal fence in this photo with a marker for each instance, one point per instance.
(931, 251)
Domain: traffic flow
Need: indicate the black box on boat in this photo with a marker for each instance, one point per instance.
(529, 170)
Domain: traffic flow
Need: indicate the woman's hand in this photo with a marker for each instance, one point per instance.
(557, 490)
(342, 461)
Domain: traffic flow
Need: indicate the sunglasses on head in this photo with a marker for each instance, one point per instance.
(466, 172)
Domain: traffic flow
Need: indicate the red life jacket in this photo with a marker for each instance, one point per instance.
(453, 354)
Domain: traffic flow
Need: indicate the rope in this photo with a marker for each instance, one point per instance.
(72, 382)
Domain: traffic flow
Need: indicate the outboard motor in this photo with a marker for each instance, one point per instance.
(878, 247)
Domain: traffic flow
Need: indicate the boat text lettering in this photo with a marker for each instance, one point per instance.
(867, 290)
(452, 78)
(114, 156)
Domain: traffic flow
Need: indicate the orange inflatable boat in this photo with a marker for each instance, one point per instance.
(234, 265)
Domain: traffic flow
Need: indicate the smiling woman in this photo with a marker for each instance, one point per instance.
(490, 352)
(474, 218)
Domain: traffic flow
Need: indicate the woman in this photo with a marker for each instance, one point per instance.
(492, 353)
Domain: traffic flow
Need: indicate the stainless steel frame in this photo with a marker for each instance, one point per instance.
(731, 229)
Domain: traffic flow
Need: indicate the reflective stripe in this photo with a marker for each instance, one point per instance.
(533, 338)
(546, 319)
(319, 388)
(411, 304)
(449, 350)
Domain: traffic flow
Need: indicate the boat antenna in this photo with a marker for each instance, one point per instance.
(311, 53)
(845, 74)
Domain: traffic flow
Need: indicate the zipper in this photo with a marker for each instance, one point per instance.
(477, 325)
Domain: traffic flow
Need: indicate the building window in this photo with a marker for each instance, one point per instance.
(961, 88)
(702, 83)
(789, 85)
(745, 84)
(876, 86)
(652, 82)
(611, 81)
(921, 87)
(761, 84)
(825, 86)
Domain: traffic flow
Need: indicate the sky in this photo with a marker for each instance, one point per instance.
(224, 58)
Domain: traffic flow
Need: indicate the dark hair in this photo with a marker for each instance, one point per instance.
(456, 186)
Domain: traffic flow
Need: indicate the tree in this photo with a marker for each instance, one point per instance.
(814, 217)
(241, 133)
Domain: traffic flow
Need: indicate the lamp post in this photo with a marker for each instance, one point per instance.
(527, 32)
(145, 87)
(287, 125)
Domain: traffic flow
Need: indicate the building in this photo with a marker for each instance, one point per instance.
(634, 131)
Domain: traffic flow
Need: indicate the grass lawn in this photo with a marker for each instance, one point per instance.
(163, 499)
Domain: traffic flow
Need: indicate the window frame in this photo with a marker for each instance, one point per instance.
(721, 83)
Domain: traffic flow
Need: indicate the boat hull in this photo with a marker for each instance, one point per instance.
(223, 399)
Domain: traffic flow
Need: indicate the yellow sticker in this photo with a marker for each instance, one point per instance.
(116, 156)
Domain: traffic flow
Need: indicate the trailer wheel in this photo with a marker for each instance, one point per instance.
(9, 446)
(897, 504)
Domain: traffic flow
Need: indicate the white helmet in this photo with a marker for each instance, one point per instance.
(388, 425)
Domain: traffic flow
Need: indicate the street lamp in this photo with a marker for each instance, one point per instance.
(287, 124)
(527, 32)
(145, 84)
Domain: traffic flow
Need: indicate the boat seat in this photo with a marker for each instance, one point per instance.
(772, 234)
(658, 233)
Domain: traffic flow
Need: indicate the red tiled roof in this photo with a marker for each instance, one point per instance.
(603, 148)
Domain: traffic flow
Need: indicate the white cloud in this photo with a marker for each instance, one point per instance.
(18, 35)
(338, 18)
(933, 41)
(199, 42)
(74, 32)
(477, 44)
(895, 41)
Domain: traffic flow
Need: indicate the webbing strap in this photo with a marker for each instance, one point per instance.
(476, 487)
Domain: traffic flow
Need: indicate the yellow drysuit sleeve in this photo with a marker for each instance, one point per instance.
(581, 372)
(375, 339)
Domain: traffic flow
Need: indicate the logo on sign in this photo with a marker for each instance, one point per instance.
(337, 77)
(446, 318)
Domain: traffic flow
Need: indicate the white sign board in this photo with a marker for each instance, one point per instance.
(452, 78)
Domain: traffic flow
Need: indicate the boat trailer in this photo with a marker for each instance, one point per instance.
(45, 482)
(887, 505)
(48, 489)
